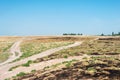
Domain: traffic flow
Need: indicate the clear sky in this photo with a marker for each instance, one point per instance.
(54, 17)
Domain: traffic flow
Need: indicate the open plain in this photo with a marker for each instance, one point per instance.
(60, 58)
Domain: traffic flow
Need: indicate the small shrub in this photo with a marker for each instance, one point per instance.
(13, 68)
(91, 69)
(27, 64)
(65, 56)
(21, 74)
(46, 67)
(33, 71)
(68, 64)
(7, 79)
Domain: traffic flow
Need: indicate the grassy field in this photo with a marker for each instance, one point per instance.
(97, 47)
(40, 44)
(36, 46)
(4, 50)
(103, 63)
(5, 44)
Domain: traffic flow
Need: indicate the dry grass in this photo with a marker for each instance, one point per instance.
(97, 47)
(5, 44)
(32, 47)
(97, 67)
(4, 50)
(35, 45)
(9, 38)
(100, 47)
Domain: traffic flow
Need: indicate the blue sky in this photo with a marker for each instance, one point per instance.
(54, 17)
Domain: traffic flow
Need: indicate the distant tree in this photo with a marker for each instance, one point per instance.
(118, 33)
(113, 34)
(65, 34)
(72, 34)
(102, 34)
(79, 34)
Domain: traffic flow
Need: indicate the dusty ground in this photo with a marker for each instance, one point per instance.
(4, 73)
(87, 67)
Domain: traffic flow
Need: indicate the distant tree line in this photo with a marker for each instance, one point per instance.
(72, 34)
(112, 34)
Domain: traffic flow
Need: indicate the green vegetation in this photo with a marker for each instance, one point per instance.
(21, 74)
(18, 75)
(91, 70)
(69, 63)
(27, 64)
(33, 71)
(113, 34)
(13, 68)
(66, 63)
(7, 79)
(65, 56)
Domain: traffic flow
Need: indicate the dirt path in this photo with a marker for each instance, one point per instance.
(42, 65)
(15, 49)
(4, 73)
(39, 66)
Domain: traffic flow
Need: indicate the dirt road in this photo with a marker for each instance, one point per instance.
(15, 49)
(4, 73)
(39, 66)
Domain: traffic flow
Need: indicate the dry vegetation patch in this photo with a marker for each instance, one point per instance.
(74, 51)
(96, 47)
(35, 46)
(5, 44)
(100, 68)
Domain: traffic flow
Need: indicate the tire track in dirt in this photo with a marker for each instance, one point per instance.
(4, 73)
